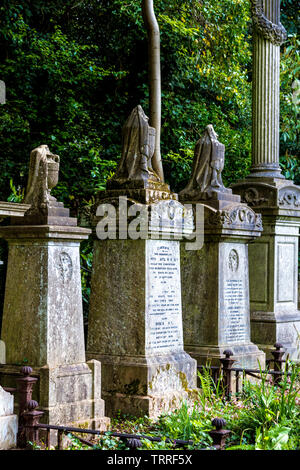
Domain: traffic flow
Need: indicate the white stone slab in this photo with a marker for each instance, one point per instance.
(234, 294)
(8, 431)
(8, 421)
(164, 332)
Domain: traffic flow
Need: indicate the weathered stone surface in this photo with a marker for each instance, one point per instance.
(216, 315)
(270, 197)
(273, 264)
(6, 403)
(2, 352)
(135, 169)
(135, 325)
(8, 421)
(273, 259)
(206, 180)
(43, 320)
(43, 208)
(12, 209)
(268, 35)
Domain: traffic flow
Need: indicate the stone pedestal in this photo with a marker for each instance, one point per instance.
(43, 322)
(215, 286)
(8, 421)
(135, 318)
(273, 262)
(274, 258)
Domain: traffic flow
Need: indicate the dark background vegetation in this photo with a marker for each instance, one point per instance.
(75, 69)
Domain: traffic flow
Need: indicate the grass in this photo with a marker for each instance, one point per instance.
(265, 416)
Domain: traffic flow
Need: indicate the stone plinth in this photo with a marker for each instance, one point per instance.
(215, 287)
(273, 262)
(43, 321)
(273, 259)
(8, 421)
(135, 319)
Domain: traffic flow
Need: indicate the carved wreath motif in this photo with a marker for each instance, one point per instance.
(65, 267)
(274, 33)
(237, 217)
(289, 198)
(233, 261)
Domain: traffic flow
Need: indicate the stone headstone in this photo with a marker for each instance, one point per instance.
(135, 325)
(216, 313)
(43, 318)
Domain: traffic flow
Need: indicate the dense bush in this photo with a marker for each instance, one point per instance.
(74, 70)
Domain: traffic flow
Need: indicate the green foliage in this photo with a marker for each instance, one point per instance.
(270, 416)
(185, 424)
(290, 100)
(72, 83)
(265, 417)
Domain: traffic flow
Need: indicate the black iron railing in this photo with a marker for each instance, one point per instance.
(229, 376)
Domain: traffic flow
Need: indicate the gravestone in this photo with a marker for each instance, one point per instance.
(8, 421)
(273, 259)
(42, 320)
(215, 278)
(135, 324)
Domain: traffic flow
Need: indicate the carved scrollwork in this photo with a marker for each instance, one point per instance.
(272, 32)
(289, 198)
(252, 197)
(238, 217)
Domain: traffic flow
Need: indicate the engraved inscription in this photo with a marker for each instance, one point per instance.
(235, 316)
(164, 314)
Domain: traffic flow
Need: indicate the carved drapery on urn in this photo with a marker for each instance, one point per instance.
(43, 177)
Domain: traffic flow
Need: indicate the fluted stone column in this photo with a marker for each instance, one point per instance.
(273, 259)
(266, 86)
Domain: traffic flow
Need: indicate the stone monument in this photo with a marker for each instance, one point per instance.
(8, 421)
(135, 317)
(8, 209)
(42, 319)
(215, 283)
(273, 259)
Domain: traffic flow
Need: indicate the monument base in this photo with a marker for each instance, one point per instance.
(216, 314)
(246, 356)
(273, 263)
(153, 407)
(269, 328)
(69, 395)
(147, 385)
